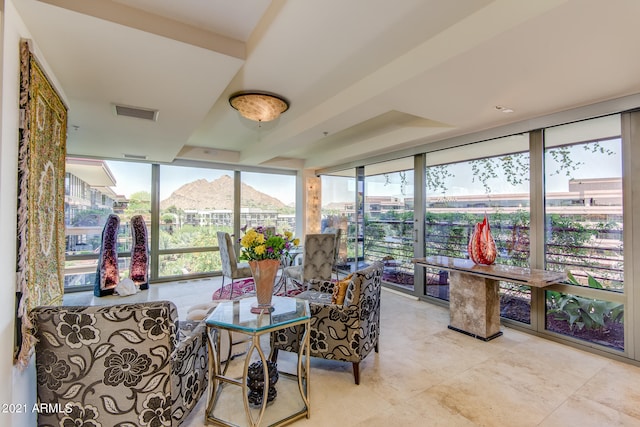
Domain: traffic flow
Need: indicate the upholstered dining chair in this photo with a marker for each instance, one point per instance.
(317, 260)
(336, 253)
(345, 330)
(129, 364)
(230, 266)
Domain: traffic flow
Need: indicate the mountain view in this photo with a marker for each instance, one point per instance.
(217, 194)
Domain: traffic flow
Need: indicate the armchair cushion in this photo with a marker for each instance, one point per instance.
(340, 290)
(316, 297)
(124, 364)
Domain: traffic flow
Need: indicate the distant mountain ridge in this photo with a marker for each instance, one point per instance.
(217, 194)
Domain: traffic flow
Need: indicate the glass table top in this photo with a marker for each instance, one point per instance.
(237, 315)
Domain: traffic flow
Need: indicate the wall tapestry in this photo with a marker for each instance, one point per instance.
(41, 172)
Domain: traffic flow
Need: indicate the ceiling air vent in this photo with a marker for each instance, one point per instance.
(134, 156)
(135, 112)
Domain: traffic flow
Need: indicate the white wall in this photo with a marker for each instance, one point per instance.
(16, 386)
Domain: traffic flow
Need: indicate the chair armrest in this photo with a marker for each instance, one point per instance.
(189, 370)
(192, 343)
(334, 311)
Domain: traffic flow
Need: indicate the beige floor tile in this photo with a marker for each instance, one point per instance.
(616, 386)
(589, 413)
(428, 375)
(488, 401)
(523, 381)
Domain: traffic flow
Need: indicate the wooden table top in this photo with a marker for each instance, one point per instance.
(508, 273)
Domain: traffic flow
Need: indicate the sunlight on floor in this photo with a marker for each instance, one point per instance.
(426, 374)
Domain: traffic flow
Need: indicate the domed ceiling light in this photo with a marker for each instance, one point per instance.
(259, 106)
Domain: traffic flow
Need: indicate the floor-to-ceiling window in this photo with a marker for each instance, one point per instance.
(183, 207)
(584, 228)
(268, 200)
(388, 219)
(465, 184)
(94, 189)
(556, 198)
(195, 203)
(338, 210)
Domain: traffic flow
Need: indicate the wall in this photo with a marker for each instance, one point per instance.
(17, 387)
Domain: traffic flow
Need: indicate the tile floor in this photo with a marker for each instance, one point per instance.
(428, 375)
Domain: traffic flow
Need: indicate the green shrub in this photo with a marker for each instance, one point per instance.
(584, 312)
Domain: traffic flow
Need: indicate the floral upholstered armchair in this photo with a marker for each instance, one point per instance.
(118, 365)
(340, 330)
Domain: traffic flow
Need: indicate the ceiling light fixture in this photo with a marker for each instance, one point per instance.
(259, 106)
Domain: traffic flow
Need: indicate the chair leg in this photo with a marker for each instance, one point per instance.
(376, 348)
(231, 291)
(293, 284)
(222, 286)
(274, 355)
(356, 372)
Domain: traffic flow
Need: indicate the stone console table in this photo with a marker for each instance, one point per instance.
(474, 302)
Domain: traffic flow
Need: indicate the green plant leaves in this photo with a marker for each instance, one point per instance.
(582, 312)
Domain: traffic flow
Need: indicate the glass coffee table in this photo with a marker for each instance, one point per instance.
(229, 384)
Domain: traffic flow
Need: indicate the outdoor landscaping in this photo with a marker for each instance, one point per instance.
(580, 243)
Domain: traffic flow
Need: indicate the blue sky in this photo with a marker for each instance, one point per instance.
(131, 178)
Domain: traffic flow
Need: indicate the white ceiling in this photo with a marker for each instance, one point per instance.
(364, 77)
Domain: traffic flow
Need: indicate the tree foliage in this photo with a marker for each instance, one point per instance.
(566, 159)
(437, 177)
(90, 217)
(513, 167)
(139, 203)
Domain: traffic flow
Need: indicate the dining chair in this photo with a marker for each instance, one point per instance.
(338, 233)
(317, 262)
(230, 266)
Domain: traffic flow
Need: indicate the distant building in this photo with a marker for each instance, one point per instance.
(87, 188)
(597, 196)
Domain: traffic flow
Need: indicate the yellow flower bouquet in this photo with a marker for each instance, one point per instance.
(258, 244)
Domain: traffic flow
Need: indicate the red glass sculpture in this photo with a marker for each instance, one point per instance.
(482, 247)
